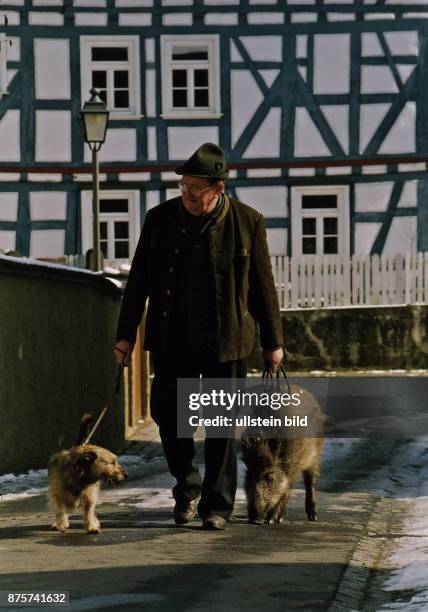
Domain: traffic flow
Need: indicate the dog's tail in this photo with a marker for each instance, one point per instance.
(85, 421)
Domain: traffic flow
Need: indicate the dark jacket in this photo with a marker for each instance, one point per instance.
(244, 286)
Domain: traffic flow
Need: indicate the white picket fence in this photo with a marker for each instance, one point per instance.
(329, 280)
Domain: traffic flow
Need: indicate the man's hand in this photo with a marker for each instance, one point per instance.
(273, 357)
(123, 351)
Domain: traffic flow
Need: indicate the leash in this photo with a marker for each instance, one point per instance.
(268, 379)
(107, 405)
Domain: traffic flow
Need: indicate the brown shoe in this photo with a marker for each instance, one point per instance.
(184, 512)
(213, 521)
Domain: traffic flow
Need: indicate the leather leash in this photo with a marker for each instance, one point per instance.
(268, 379)
(107, 405)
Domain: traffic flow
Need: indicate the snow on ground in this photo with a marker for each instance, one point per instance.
(152, 492)
(410, 557)
(35, 482)
(31, 483)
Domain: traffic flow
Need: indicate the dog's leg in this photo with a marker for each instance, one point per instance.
(89, 501)
(61, 522)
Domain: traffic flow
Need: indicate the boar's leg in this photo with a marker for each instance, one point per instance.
(254, 514)
(309, 478)
(277, 513)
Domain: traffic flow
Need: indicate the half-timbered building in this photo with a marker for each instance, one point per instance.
(320, 105)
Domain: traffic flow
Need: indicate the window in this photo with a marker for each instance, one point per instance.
(190, 76)
(320, 220)
(119, 224)
(112, 65)
(114, 228)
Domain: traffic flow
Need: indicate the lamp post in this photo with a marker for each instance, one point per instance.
(94, 116)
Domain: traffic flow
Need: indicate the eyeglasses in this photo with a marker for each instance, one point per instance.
(194, 191)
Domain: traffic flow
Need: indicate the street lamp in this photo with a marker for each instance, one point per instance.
(94, 116)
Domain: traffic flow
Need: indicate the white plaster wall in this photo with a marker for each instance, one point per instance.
(370, 45)
(14, 50)
(270, 201)
(53, 136)
(307, 139)
(246, 96)
(183, 141)
(45, 18)
(7, 240)
(47, 243)
(10, 136)
(150, 49)
(52, 69)
(331, 63)
(135, 19)
(365, 235)
(151, 143)
(371, 116)
(338, 119)
(266, 142)
(402, 236)
(134, 3)
(152, 199)
(371, 197)
(403, 43)
(90, 19)
(377, 79)
(150, 93)
(120, 145)
(48, 205)
(263, 48)
(277, 240)
(178, 19)
(8, 206)
(409, 195)
(402, 136)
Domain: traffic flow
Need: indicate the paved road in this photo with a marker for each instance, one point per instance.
(142, 560)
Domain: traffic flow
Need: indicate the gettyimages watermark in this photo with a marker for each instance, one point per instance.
(227, 407)
(303, 407)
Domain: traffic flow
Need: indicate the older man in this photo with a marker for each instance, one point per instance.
(203, 262)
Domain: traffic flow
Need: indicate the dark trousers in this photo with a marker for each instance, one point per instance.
(218, 487)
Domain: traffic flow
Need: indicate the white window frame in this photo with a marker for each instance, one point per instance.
(212, 41)
(86, 65)
(133, 217)
(3, 64)
(342, 211)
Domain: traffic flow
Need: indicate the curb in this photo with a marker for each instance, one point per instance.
(353, 591)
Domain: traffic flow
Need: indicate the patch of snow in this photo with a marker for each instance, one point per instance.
(410, 557)
(13, 486)
(28, 261)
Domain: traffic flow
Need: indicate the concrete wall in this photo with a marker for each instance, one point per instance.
(57, 329)
(390, 337)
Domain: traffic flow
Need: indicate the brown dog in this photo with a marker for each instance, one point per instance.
(75, 478)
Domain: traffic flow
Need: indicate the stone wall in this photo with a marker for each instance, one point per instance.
(57, 330)
(387, 337)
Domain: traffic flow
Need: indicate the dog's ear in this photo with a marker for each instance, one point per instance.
(81, 458)
(88, 457)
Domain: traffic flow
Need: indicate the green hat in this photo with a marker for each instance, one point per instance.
(207, 162)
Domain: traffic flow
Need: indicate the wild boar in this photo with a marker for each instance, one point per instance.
(275, 464)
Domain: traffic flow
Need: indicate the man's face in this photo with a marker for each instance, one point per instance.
(199, 195)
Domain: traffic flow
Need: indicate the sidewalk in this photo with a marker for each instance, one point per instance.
(142, 559)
